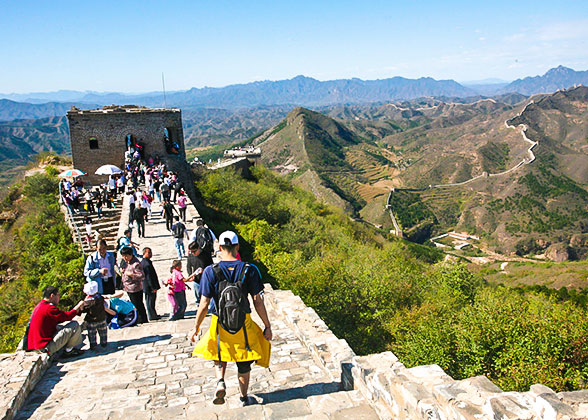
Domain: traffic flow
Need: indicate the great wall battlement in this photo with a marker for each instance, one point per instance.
(101, 136)
(147, 372)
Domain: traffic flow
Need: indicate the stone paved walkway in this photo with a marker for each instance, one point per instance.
(147, 372)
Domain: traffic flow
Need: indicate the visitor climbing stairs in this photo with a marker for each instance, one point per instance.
(105, 227)
(148, 372)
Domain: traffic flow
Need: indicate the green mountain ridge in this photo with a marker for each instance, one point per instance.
(359, 160)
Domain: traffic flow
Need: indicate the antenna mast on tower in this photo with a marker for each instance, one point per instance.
(163, 84)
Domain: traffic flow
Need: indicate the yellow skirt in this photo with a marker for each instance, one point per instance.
(232, 346)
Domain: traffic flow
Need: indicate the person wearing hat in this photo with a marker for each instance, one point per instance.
(250, 343)
(95, 315)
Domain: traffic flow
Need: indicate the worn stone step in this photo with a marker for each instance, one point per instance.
(101, 225)
(111, 217)
(340, 405)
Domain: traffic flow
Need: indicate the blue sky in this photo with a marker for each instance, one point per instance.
(126, 45)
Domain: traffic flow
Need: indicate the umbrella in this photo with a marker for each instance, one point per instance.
(108, 170)
(71, 173)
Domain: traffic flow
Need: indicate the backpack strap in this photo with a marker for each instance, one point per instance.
(245, 272)
(244, 326)
(218, 273)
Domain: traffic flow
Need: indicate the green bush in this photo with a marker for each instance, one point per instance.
(381, 294)
(43, 255)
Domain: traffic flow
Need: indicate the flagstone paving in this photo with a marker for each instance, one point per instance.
(148, 372)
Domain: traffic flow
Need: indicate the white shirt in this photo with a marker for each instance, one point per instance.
(104, 264)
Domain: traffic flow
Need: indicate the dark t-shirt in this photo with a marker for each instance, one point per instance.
(139, 214)
(178, 230)
(168, 210)
(233, 271)
(94, 308)
(194, 263)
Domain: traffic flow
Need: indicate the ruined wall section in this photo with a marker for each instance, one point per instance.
(99, 137)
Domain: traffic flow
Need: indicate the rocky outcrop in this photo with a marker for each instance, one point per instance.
(558, 253)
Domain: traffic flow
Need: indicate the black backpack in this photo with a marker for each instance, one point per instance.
(232, 302)
(179, 229)
(204, 240)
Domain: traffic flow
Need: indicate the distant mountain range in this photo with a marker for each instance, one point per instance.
(558, 78)
(238, 112)
(309, 92)
(22, 139)
(11, 110)
(355, 155)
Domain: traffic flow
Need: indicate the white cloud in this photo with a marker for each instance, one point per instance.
(575, 29)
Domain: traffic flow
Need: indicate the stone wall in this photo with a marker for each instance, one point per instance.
(421, 392)
(20, 372)
(110, 126)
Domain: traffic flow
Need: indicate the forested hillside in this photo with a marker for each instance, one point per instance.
(383, 294)
(36, 250)
(354, 159)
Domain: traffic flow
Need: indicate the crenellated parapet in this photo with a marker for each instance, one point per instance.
(421, 392)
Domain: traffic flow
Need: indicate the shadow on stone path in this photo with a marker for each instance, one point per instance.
(148, 372)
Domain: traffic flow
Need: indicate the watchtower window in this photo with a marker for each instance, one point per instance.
(170, 140)
(93, 143)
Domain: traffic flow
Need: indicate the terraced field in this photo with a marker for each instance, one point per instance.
(446, 204)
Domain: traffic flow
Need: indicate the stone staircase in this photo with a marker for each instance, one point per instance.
(106, 226)
(147, 372)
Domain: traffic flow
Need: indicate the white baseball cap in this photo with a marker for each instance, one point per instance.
(228, 238)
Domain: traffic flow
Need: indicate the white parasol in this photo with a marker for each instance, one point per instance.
(108, 170)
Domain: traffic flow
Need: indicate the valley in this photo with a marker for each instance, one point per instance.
(468, 164)
(466, 167)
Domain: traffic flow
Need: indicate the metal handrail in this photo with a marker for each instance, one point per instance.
(72, 222)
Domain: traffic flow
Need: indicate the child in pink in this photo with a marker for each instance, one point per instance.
(169, 283)
(182, 204)
(177, 286)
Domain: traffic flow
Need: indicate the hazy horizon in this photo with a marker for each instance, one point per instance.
(467, 82)
(124, 47)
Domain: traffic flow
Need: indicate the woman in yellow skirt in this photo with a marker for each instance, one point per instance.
(247, 345)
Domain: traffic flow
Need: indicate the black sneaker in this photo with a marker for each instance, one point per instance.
(248, 400)
(72, 353)
(221, 391)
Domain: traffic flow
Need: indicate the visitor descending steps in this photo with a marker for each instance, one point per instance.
(232, 336)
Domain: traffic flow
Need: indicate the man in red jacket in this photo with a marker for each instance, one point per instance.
(46, 330)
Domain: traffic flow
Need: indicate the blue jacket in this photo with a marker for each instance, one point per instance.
(92, 268)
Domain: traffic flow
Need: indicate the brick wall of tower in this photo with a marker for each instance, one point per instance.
(110, 128)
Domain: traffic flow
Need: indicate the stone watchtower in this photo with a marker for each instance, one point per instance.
(101, 136)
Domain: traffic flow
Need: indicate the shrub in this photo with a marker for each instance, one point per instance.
(389, 295)
(44, 254)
